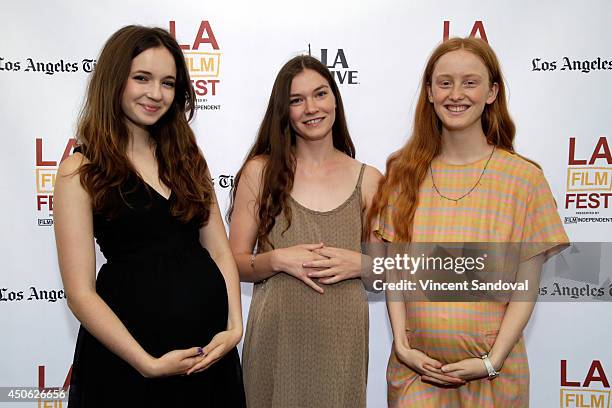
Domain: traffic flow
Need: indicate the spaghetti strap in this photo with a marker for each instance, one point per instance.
(360, 179)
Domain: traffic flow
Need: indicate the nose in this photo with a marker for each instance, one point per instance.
(310, 106)
(154, 91)
(456, 93)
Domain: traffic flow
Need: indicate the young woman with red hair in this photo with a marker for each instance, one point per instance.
(458, 179)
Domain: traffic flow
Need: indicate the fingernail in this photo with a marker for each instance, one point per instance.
(200, 351)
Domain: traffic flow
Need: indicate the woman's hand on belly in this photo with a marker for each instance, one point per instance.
(427, 367)
(468, 369)
(219, 346)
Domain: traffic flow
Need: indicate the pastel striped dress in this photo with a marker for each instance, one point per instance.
(512, 203)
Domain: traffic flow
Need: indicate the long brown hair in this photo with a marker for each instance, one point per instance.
(104, 136)
(407, 168)
(276, 141)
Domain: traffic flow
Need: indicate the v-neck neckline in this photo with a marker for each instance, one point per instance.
(156, 192)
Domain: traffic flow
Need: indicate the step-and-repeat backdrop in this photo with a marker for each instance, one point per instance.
(556, 56)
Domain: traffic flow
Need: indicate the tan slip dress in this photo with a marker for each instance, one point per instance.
(302, 348)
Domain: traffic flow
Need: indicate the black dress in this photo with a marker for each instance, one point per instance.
(170, 295)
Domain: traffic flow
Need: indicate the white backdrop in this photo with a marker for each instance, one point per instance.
(385, 45)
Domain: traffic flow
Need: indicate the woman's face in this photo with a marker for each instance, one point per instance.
(149, 89)
(312, 105)
(459, 90)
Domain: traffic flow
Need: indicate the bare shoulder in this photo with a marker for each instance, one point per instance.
(369, 184)
(71, 165)
(254, 168)
(68, 182)
(251, 177)
(371, 175)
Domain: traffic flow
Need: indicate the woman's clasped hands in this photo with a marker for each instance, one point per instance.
(194, 359)
(319, 264)
(433, 371)
(429, 368)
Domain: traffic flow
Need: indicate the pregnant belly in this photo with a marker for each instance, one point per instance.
(452, 331)
(167, 302)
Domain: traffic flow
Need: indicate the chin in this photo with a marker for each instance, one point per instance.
(148, 121)
(455, 125)
(313, 137)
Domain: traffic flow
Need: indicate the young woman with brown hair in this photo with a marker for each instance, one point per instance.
(296, 227)
(458, 179)
(161, 321)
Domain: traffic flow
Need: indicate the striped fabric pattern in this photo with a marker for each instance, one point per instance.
(512, 203)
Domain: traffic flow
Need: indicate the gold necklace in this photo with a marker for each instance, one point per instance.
(470, 190)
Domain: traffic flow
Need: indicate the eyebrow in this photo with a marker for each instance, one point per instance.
(315, 90)
(141, 71)
(464, 76)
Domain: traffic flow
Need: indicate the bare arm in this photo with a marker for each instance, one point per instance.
(397, 318)
(371, 179)
(213, 237)
(244, 225)
(517, 313)
(243, 236)
(76, 254)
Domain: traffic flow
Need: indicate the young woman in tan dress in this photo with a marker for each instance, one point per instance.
(295, 231)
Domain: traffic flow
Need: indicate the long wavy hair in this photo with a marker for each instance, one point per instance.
(276, 142)
(407, 168)
(104, 137)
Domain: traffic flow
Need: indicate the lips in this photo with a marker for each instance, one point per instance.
(457, 108)
(313, 122)
(150, 108)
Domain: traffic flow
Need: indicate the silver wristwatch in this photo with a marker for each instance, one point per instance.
(489, 367)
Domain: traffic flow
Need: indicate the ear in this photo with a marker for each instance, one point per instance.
(429, 93)
(493, 93)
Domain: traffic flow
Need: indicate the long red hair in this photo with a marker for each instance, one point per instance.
(104, 137)
(407, 168)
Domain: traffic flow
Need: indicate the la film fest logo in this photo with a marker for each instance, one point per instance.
(43, 395)
(46, 173)
(203, 61)
(61, 390)
(587, 386)
(589, 180)
(478, 30)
